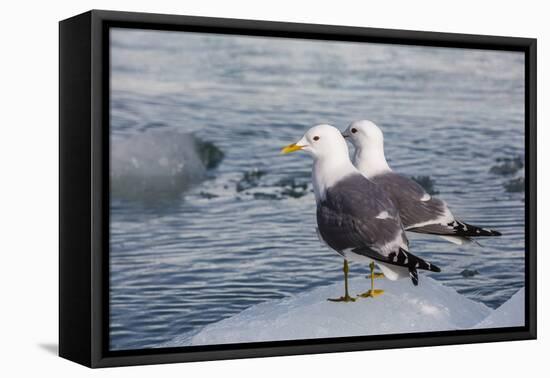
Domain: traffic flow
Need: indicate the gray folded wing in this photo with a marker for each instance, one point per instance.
(357, 215)
(418, 209)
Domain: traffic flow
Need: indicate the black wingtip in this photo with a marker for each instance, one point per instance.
(434, 268)
(413, 273)
(465, 229)
(487, 232)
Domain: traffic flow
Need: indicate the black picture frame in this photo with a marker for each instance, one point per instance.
(84, 187)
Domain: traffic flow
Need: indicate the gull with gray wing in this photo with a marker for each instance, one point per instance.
(419, 211)
(355, 217)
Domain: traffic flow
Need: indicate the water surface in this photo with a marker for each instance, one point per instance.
(205, 243)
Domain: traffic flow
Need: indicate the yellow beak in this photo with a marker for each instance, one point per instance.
(291, 148)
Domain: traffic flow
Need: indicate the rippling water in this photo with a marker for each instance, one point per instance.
(243, 231)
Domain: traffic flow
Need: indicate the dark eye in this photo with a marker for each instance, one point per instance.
(315, 138)
(354, 130)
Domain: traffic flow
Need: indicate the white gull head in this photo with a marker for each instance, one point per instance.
(368, 140)
(330, 154)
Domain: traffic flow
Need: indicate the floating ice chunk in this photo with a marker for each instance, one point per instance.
(509, 314)
(154, 163)
(403, 308)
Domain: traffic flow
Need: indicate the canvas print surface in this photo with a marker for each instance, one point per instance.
(217, 237)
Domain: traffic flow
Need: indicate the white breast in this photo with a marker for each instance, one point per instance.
(326, 173)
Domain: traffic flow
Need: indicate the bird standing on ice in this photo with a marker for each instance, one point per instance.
(354, 216)
(419, 211)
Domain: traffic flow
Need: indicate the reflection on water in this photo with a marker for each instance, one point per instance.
(243, 230)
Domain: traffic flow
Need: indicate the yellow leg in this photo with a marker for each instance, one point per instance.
(372, 292)
(346, 297)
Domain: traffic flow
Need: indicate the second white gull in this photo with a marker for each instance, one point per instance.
(420, 212)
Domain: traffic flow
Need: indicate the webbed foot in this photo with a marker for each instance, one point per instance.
(371, 293)
(346, 298)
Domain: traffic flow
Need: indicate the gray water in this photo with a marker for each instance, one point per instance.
(196, 240)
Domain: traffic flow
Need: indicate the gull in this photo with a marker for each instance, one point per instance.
(355, 217)
(419, 211)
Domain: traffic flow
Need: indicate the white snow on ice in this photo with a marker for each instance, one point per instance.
(403, 308)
